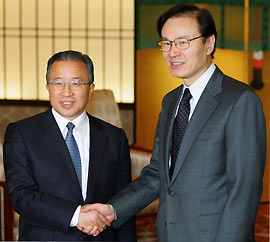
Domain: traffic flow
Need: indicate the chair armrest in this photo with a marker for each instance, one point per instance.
(139, 159)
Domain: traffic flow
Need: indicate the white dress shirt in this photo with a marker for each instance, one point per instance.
(196, 89)
(80, 130)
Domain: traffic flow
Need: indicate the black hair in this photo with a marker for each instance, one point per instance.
(204, 18)
(71, 55)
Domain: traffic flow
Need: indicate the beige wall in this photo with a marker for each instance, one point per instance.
(153, 81)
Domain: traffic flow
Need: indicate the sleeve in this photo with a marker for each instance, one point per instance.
(141, 192)
(127, 232)
(41, 208)
(245, 134)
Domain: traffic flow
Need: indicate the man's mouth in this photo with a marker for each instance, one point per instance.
(175, 64)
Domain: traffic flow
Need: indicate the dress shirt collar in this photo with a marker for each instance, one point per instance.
(80, 123)
(198, 86)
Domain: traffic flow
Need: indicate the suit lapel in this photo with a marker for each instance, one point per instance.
(56, 145)
(168, 124)
(201, 114)
(98, 143)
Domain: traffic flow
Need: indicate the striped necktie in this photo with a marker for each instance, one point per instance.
(74, 151)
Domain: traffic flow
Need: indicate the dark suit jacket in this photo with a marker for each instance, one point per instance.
(216, 187)
(42, 183)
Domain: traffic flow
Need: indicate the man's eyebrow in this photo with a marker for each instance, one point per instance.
(178, 37)
(77, 77)
(56, 78)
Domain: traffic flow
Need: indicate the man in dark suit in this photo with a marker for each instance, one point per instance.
(61, 159)
(209, 185)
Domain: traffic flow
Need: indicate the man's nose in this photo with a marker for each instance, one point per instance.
(67, 90)
(174, 51)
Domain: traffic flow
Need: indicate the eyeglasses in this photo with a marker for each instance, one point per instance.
(74, 84)
(181, 43)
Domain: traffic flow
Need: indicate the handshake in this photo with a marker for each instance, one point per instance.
(94, 218)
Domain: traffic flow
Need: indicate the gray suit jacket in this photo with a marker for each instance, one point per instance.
(217, 182)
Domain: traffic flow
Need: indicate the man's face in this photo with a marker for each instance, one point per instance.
(190, 63)
(67, 101)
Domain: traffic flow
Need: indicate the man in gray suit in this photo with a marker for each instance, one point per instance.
(211, 191)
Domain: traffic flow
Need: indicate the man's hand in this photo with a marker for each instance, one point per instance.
(104, 209)
(93, 220)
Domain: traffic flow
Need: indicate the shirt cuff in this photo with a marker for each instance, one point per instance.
(75, 218)
(115, 215)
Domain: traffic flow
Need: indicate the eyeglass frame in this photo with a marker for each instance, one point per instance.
(173, 41)
(63, 84)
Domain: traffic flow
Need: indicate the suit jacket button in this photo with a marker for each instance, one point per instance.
(171, 193)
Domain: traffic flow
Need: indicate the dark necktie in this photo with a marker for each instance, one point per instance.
(74, 151)
(179, 127)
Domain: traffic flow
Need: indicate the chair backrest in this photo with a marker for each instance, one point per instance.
(102, 105)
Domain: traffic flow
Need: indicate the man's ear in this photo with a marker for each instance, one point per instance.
(210, 42)
(92, 87)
